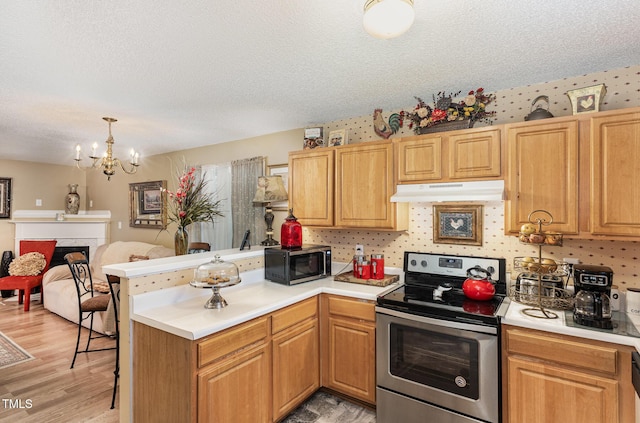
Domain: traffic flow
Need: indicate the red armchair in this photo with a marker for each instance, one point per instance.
(26, 283)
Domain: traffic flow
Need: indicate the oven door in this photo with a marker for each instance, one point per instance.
(448, 364)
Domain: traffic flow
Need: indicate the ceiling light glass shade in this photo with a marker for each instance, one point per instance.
(388, 18)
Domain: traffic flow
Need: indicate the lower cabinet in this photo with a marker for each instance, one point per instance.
(236, 389)
(555, 378)
(296, 356)
(348, 342)
(254, 372)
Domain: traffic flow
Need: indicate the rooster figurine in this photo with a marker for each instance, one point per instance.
(383, 128)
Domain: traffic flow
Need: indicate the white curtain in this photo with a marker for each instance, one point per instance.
(218, 234)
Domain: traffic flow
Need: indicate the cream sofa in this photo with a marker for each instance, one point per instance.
(60, 296)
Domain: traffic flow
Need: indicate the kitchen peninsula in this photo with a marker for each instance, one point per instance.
(267, 345)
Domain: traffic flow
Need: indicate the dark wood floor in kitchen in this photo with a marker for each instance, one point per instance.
(323, 407)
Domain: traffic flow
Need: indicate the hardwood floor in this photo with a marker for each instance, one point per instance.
(56, 393)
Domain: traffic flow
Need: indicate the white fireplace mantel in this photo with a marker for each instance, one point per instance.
(84, 229)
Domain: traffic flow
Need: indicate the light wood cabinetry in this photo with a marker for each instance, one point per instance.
(348, 346)
(311, 186)
(347, 187)
(364, 186)
(555, 378)
(236, 389)
(257, 371)
(296, 356)
(543, 173)
(615, 173)
(471, 154)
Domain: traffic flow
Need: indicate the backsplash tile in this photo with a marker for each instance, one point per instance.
(621, 256)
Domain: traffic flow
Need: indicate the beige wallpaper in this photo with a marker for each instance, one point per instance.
(512, 105)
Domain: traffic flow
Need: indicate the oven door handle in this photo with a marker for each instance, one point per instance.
(438, 322)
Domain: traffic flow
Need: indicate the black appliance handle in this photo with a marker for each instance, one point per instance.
(635, 371)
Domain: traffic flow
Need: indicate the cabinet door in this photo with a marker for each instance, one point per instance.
(615, 171)
(296, 367)
(543, 174)
(475, 155)
(237, 389)
(311, 187)
(351, 358)
(543, 393)
(364, 186)
(419, 159)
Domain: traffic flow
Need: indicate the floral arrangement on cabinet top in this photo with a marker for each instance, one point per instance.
(444, 115)
(471, 108)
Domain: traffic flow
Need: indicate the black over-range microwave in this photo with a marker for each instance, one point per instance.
(297, 265)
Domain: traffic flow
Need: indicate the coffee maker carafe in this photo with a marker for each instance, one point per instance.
(593, 292)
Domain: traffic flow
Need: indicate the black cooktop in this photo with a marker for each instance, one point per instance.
(433, 288)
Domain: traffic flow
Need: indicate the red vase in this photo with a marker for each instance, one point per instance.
(291, 232)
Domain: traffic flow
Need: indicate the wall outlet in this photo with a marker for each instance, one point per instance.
(359, 249)
(571, 260)
(38, 202)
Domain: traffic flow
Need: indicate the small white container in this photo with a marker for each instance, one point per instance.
(633, 301)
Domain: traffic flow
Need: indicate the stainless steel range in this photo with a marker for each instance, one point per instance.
(438, 353)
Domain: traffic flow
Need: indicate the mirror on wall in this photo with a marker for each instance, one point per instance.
(148, 205)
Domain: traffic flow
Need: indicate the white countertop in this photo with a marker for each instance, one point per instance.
(515, 317)
(180, 310)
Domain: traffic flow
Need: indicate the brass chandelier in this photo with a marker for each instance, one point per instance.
(107, 162)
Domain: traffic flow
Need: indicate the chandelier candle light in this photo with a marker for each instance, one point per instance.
(107, 162)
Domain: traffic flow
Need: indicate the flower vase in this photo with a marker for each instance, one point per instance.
(181, 241)
(72, 200)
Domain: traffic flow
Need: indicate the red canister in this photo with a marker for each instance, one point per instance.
(291, 232)
(358, 258)
(364, 270)
(377, 266)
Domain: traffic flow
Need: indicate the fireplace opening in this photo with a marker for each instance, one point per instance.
(60, 252)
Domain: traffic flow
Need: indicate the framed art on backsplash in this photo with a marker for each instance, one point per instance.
(460, 224)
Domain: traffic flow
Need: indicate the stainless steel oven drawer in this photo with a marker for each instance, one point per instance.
(394, 408)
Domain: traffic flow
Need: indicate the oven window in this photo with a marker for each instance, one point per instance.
(304, 265)
(446, 362)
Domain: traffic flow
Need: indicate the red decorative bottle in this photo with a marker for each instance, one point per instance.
(291, 232)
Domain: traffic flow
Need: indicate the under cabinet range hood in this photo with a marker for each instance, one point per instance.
(450, 191)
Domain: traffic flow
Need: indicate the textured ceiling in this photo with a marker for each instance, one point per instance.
(181, 74)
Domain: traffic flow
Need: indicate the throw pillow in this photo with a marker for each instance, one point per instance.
(29, 264)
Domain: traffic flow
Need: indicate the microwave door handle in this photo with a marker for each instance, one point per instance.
(324, 263)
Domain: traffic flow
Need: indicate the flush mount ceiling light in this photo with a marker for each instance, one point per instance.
(107, 162)
(388, 18)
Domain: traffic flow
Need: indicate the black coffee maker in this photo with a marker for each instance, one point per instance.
(592, 305)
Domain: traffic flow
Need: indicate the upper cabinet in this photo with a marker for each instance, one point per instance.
(311, 176)
(542, 173)
(615, 173)
(348, 186)
(458, 155)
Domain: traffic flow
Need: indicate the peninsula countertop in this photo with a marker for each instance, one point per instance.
(180, 310)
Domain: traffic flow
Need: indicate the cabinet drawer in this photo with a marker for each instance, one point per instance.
(293, 314)
(355, 309)
(231, 340)
(563, 351)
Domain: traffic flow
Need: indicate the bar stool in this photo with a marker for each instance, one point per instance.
(92, 298)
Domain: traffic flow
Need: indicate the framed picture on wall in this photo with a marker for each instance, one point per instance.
(148, 205)
(460, 224)
(283, 171)
(5, 198)
(338, 137)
